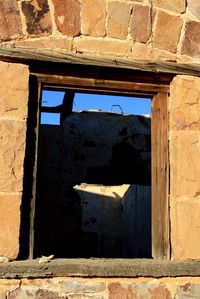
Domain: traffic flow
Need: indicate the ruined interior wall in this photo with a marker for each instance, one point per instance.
(100, 288)
(13, 114)
(140, 29)
(107, 218)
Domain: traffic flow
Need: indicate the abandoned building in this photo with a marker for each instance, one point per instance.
(102, 204)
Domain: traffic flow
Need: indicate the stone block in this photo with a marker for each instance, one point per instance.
(185, 229)
(173, 5)
(67, 16)
(103, 47)
(191, 41)
(167, 31)
(47, 43)
(10, 21)
(81, 287)
(194, 7)
(185, 103)
(37, 15)
(34, 292)
(14, 76)
(14, 80)
(9, 225)
(184, 164)
(119, 290)
(118, 19)
(93, 17)
(143, 51)
(188, 290)
(12, 137)
(140, 26)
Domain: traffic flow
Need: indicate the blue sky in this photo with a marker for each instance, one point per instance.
(94, 102)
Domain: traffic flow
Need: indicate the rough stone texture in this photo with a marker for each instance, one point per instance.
(38, 19)
(47, 43)
(148, 291)
(194, 7)
(147, 52)
(184, 164)
(9, 225)
(67, 15)
(12, 136)
(173, 5)
(185, 229)
(185, 103)
(13, 90)
(188, 290)
(167, 31)
(118, 19)
(102, 47)
(191, 41)
(72, 286)
(185, 137)
(36, 293)
(10, 21)
(93, 17)
(140, 26)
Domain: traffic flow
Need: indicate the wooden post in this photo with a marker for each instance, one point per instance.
(160, 180)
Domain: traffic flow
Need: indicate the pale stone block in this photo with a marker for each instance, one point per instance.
(194, 7)
(93, 17)
(9, 225)
(184, 163)
(118, 19)
(185, 103)
(173, 5)
(13, 103)
(47, 43)
(167, 31)
(185, 229)
(12, 137)
(14, 75)
(143, 51)
(102, 46)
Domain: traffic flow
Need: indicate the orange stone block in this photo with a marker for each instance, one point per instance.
(9, 225)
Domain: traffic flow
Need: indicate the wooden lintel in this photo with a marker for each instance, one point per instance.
(101, 85)
(32, 56)
(100, 268)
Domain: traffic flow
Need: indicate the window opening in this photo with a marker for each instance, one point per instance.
(93, 178)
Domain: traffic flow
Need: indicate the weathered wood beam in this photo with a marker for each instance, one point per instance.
(30, 56)
(99, 268)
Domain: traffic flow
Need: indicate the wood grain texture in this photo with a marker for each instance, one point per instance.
(30, 56)
(160, 174)
(99, 268)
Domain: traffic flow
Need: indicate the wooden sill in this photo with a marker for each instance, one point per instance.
(99, 268)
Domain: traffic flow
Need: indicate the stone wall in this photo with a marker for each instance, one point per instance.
(101, 288)
(184, 167)
(13, 114)
(140, 29)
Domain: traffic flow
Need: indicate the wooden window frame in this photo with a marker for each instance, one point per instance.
(133, 84)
